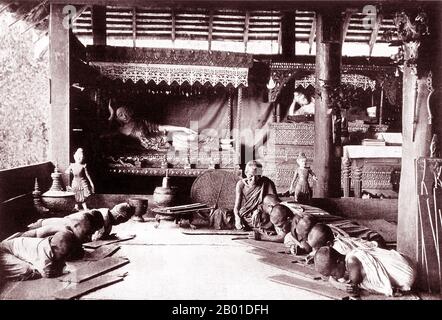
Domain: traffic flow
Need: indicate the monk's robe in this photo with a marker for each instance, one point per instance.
(345, 244)
(384, 270)
(252, 197)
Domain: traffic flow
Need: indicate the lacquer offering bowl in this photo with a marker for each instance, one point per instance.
(59, 201)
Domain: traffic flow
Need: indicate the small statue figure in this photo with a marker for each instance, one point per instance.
(82, 184)
(300, 187)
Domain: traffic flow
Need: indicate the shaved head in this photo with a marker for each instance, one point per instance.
(280, 214)
(269, 202)
(64, 244)
(304, 225)
(320, 235)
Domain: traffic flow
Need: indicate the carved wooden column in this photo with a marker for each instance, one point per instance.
(346, 171)
(59, 63)
(328, 75)
(416, 136)
(356, 177)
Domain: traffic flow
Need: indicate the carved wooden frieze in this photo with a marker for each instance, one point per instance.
(282, 72)
(169, 56)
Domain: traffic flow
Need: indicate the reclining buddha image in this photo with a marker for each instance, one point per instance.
(130, 133)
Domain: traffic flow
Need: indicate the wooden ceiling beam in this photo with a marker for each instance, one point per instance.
(210, 34)
(246, 30)
(286, 5)
(134, 26)
(346, 23)
(173, 35)
(311, 38)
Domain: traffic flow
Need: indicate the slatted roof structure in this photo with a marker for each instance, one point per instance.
(205, 28)
(256, 32)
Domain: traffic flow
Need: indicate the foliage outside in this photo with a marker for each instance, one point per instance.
(24, 96)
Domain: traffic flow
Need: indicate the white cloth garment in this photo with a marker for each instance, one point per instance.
(35, 251)
(344, 244)
(384, 270)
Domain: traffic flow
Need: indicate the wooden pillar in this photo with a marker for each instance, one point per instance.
(416, 140)
(346, 172)
(415, 143)
(238, 126)
(59, 62)
(99, 25)
(328, 75)
(288, 35)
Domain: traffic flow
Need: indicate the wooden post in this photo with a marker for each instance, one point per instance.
(381, 107)
(288, 34)
(346, 172)
(357, 177)
(99, 25)
(328, 74)
(416, 138)
(238, 126)
(59, 62)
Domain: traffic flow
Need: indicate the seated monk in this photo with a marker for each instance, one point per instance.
(118, 214)
(250, 193)
(375, 270)
(25, 258)
(83, 224)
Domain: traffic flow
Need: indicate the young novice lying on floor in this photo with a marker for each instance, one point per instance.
(376, 270)
(118, 214)
(83, 224)
(26, 258)
(278, 225)
(322, 235)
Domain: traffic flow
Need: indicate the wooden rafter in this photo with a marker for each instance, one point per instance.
(29, 13)
(246, 30)
(173, 25)
(134, 26)
(374, 33)
(6, 6)
(210, 33)
(280, 37)
(311, 38)
(346, 23)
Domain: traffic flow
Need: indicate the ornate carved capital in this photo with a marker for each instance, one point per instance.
(411, 28)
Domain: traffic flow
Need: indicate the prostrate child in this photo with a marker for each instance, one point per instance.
(120, 213)
(26, 258)
(376, 270)
(322, 235)
(280, 222)
(83, 224)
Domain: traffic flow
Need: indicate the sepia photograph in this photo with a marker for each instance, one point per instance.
(220, 155)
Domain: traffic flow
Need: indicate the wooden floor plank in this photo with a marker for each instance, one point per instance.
(99, 243)
(94, 269)
(287, 264)
(318, 287)
(272, 247)
(101, 252)
(214, 232)
(78, 289)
